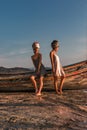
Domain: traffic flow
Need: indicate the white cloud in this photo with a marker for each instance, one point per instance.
(19, 57)
(16, 52)
(18, 61)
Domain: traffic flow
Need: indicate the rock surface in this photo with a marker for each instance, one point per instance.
(25, 111)
(20, 109)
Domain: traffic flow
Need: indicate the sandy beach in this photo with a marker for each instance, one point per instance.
(25, 111)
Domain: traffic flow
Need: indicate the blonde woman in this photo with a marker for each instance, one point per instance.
(39, 68)
(57, 69)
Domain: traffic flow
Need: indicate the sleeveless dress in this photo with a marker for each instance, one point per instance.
(42, 71)
(57, 66)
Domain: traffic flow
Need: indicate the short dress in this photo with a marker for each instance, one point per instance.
(57, 66)
(42, 71)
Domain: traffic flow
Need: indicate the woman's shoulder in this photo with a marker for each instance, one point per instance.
(39, 54)
(32, 56)
(51, 53)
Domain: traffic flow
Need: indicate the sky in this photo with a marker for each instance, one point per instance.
(24, 21)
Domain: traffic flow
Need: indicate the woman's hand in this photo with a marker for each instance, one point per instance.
(37, 71)
(64, 75)
(53, 71)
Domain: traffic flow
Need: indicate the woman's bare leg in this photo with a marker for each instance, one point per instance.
(61, 84)
(34, 83)
(41, 85)
(56, 84)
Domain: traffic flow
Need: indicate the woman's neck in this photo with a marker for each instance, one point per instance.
(55, 51)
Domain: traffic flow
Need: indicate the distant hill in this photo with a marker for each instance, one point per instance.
(14, 70)
(20, 70)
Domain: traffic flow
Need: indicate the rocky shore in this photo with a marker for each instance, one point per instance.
(20, 109)
(25, 111)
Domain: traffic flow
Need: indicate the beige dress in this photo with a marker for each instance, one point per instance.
(57, 66)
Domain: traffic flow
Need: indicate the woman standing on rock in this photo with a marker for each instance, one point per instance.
(39, 68)
(57, 69)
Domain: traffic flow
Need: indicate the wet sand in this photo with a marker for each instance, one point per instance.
(25, 111)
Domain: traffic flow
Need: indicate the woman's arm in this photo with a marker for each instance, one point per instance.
(62, 70)
(40, 61)
(33, 61)
(52, 62)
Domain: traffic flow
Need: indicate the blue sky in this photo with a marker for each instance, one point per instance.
(24, 21)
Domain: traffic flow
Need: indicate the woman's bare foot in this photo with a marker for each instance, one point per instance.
(58, 92)
(38, 94)
(36, 91)
(61, 92)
